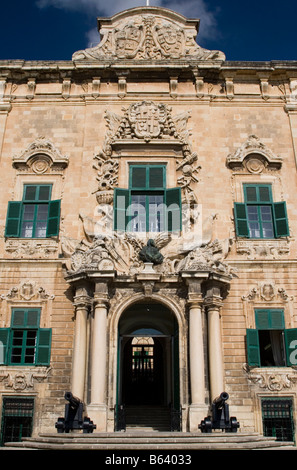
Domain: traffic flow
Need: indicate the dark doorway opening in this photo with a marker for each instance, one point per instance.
(148, 367)
(143, 380)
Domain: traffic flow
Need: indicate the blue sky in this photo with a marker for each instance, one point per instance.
(252, 30)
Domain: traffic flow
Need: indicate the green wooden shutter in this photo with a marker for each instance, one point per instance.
(280, 219)
(269, 319)
(120, 208)
(53, 221)
(173, 209)
(291, 346)
(241, 223)
(32, 320)
(44, 346)
(4, 338)
(156, 177)
(253, 349)
(18, 318)
(277, 320)
(138, 177)
(13, 219)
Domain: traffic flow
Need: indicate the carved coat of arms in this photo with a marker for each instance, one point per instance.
(147, 119)
(127, 41)
(170, 40)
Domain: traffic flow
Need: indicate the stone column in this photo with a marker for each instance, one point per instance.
(97, 407)
(213, 303)
(198, 408)
(82, 304)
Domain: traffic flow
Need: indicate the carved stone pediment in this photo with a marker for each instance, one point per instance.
(147, 33)
(253, 157)
(40, 157)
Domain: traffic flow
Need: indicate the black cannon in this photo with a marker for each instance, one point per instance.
(73, 418)
(219, 418)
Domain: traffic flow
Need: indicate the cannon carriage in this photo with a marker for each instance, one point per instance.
(220, 417)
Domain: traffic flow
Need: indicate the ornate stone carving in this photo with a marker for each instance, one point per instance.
(142, 122)
(271, 379)
(268, 294)
(31, 248)
(267, 291)
(22, 381)
(121, 253)
(146, 120)
(41, 156)
(27, 290)
(254, 157)
(263, 249)
(147, 33)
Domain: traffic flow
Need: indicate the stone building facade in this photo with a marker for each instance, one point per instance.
(148, 225)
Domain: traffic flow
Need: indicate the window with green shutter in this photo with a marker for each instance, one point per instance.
(36, 216)
(271, 344)
(259, 216)
(147, 206)
(25, 343)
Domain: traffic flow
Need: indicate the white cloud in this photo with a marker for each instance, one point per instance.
(188, 8)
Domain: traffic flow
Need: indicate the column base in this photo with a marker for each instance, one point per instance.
(196, 414)
(98, 414)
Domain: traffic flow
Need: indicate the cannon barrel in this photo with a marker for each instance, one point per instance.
(74, 401)
(219, 401)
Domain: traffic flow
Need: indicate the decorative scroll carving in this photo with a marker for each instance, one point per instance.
(267, 294)
(270, 379)
(32, 248)
(40, 157)
(267, 291)
(263, 249)
(121, 254)
(147, 33)
(27, 290)
(254, 157)
(22, 381)
(143, 122)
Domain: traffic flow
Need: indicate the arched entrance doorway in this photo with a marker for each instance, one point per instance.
(148, 365)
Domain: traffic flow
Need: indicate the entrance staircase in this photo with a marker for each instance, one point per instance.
(150, 441)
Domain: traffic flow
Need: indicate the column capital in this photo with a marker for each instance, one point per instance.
(195, 300)
(82, 301)
(101, 300)
(213, 301)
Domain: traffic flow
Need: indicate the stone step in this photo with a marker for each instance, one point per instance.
(150, 441)
(147, 418)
